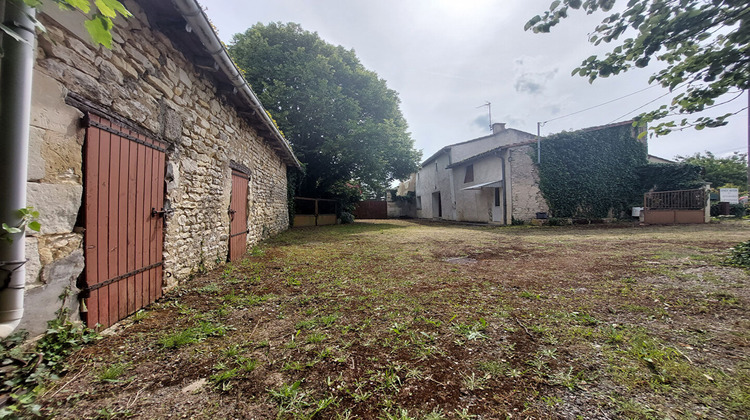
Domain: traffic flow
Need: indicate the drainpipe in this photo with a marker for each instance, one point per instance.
(16, 68)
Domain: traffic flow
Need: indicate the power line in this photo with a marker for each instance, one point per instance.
(642, 106)
(601, 104)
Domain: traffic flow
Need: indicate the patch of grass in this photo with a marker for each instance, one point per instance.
(192, 335)
(113, 373)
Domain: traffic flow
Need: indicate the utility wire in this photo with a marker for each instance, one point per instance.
(597, 106)
(642, 106)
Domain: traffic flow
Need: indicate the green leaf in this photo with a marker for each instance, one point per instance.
(11, 33)
(82, 5)
(110, 8)
(99, 28)
(35, 226)
(11, 229)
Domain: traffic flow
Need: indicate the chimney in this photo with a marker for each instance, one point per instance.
(498, 127)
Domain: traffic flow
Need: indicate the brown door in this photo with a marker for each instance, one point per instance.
(124, 193)
(238, 216)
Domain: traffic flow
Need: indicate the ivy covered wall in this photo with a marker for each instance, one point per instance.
(587, 173)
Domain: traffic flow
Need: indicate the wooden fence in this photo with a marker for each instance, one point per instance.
(670, 207)
(314, 212)
(371, 209)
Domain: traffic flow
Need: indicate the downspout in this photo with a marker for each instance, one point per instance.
(505, 203)
(198, 22)
(16, 67)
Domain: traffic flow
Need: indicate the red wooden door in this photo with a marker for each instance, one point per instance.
(124, 191)
(238, 216)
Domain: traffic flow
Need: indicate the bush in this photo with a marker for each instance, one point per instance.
(739, 256)
(517, 222)
(346, 217)
(738, 210)
(558, 221)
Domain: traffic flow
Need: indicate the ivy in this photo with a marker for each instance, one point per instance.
(587, 174)
(670, 176)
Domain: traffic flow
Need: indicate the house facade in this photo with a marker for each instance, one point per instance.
(490, 179)
(149, 162)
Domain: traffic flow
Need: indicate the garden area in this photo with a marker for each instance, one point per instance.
(425, 320)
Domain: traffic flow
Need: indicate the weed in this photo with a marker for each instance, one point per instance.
(529, 295)
(474, 331)
(435, 414)
(464, 414)
(565, 378)
(473, 382)
(293, 365)
(140, 315)
(192, 335)
(493, 367)
(212, 288)
(584, 318)
(113, 372)
(26, 371)
(222, 378)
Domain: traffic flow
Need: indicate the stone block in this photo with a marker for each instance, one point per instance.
(48, 108)
(172, 125)
(58, 205)
(37, 165)
(34, 265)
(42, 303)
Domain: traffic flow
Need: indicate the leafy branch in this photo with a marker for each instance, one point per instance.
(99, 24)
(29, 220)
(704, 44)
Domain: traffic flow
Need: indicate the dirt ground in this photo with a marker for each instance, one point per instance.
(404, 319)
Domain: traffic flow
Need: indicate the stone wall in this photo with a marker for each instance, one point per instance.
(526, 198)
(146, 81)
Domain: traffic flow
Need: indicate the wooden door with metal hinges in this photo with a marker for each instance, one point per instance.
(124, 221)
(238, 215)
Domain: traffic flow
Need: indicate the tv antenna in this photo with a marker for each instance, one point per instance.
(488, 104)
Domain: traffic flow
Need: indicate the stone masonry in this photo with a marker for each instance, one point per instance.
(526, 196)
(146, 81)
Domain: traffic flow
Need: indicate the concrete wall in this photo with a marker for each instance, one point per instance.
(146, 81)
(433, 178)
(474, 147)
(476, 205)
(525, 196)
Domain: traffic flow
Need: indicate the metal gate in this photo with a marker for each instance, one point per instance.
(238, 215)
(123, 217)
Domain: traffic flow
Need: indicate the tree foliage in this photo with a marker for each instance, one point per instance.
(343, 121)
(670, 176)
(719, 172)
(98, 24)
(704, 45)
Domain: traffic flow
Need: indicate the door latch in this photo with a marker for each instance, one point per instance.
(161, 213)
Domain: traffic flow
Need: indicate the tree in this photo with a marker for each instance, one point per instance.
(719, 172)
(343, 122)
(704, 44)
(99, 24)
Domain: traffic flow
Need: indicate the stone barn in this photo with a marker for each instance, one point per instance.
(148, 162)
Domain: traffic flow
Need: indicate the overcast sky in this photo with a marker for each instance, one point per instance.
(446, 58)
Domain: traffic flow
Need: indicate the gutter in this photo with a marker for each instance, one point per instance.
(199, 23)
(16, 67)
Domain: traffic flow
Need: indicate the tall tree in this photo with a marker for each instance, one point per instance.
(343, 122)
(704, 45)
(720, 171)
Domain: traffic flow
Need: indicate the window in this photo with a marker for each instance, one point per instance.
(497, 197)
(469, 176)
(419, 202)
